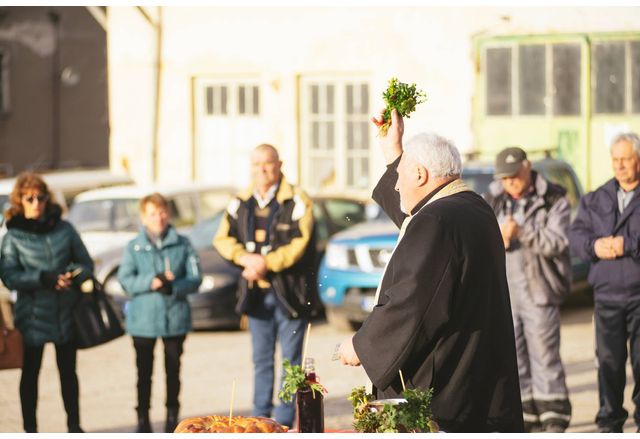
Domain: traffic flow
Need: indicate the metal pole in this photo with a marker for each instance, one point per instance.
(54, 17)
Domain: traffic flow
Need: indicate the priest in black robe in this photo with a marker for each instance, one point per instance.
(443, 315)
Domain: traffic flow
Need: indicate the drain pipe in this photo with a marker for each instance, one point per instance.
(155, 146)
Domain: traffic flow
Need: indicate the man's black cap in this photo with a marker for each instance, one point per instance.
(508, 162)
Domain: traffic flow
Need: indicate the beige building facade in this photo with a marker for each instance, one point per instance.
(193, 90)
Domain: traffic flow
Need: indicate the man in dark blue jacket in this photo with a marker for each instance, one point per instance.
(606, 232)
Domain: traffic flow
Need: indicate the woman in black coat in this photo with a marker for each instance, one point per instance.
(44, 259)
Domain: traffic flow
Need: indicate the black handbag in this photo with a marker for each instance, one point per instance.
(96, 318)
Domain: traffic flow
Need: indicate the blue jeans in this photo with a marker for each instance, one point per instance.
(268, 324)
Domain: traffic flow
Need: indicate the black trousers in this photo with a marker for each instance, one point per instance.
(144, 360)
(66, 360)
(617, 322)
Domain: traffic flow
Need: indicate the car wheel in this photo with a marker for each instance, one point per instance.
(339, 321)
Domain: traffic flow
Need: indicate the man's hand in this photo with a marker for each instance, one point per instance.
(170, 276)
(617, 244)
(251, 275)
(348, 354)
(391, 144)
(254, 262)
(255, 266)
(509, 230)
(604, 247)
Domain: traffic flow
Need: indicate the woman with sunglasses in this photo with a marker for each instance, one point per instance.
(44, 259)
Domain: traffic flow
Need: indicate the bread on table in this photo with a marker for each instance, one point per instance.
(220, 424)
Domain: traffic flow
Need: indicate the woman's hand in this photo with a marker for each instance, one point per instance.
(64, 281)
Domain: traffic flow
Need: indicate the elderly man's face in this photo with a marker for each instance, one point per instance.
(519, 183)
(265, 168)
(408, 183)
(626, 164)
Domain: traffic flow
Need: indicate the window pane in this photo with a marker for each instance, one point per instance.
(330, 135)
(358, 172)
(315, 135)
(209, 99)
(609, 65)
(532, 79)
(635, 76)
(314, 99)
(223, 100)
(357, 135)
(499, 81)
(322, 172)
(364, 99)
(241, 105)
(350, 99)
(256, 100)
(330, 94)
(322, 135)
(566, 79)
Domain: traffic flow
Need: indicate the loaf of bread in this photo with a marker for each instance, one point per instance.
(221, 424)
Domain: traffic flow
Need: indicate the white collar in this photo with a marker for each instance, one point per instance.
(268, 196)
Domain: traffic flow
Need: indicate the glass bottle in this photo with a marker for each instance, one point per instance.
(310, 403)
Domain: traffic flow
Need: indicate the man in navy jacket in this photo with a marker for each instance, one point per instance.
(606, 232)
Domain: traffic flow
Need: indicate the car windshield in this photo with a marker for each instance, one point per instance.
(201, 235)
(105, 215)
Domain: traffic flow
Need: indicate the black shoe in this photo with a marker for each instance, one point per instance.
(144, 426)
(553, 427)
(532, 427)
(172, 420)
(30, 430)
(75, 429)
(608, 429)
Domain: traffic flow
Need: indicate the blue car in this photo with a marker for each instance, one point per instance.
(355, 258)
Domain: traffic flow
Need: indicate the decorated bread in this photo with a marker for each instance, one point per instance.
(221, 424)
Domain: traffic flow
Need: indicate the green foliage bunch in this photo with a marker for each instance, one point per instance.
(411, 416)
(403, 97)
(294, 380)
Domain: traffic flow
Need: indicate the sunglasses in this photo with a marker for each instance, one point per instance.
(31, 198)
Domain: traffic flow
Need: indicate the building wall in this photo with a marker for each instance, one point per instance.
(132, 59)
(38, 130)
(431, 46)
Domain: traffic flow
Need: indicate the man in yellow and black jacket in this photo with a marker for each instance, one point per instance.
(268, 231)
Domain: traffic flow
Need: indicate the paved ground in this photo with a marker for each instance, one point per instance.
(211, 362)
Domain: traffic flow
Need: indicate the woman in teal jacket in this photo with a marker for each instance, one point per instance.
(44, 259)
(159, 268)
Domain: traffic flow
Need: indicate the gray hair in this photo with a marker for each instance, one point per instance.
(630, 137)
(437, 154)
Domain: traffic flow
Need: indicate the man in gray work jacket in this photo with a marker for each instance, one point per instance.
(534, 218)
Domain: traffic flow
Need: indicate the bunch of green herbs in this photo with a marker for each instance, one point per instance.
(294, 380)
(403, 97)
(411, 416)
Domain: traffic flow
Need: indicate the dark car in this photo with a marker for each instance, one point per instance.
(355, 258)
(212, 307)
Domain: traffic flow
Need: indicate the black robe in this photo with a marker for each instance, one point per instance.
(444, 315)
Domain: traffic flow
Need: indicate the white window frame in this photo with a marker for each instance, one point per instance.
(340, 152)
(233, 89)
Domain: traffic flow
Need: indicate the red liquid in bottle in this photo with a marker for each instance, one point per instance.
(310, 404)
